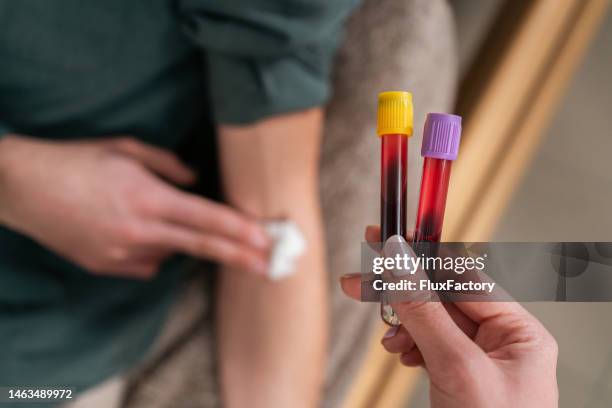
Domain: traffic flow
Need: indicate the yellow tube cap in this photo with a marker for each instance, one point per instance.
(395, 113)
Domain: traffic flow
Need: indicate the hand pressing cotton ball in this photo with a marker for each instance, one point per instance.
(288, 244)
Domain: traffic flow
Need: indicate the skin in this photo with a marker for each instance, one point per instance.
(476, 354)
(272, 336)
(112, 207)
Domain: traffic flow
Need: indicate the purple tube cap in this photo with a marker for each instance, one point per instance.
(441, 136)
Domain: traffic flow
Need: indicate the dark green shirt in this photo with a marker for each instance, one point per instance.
(163, 71)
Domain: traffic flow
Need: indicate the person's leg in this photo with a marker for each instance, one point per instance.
(181, 368)
(390, 45)
(135, 388)
(109, 394)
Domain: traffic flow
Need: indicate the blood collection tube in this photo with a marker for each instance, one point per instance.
(394, 129)
(440, 147)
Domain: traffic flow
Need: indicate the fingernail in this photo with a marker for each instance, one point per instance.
(394, 246)
(391, 332)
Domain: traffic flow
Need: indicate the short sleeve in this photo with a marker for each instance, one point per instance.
(265, 57)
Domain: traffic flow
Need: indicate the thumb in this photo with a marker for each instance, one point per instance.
(442, 343)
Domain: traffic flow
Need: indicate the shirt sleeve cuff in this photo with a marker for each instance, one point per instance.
(246, 90)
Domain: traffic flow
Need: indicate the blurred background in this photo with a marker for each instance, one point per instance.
(566, 195)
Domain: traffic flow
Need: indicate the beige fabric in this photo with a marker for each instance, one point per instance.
(188, 314)
(109, 394)
(390, 44)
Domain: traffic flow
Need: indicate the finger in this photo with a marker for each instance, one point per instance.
(161, 161)
(209, 246)
(208, 217)
(397, 340)
(372, 237)
(412, 358)
(372, 233)
(439, 339)
(467, 325)
(351, 285)
(402, 341)
(435, 334)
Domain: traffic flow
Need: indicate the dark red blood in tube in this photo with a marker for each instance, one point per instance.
(393, 185)
(434, 186)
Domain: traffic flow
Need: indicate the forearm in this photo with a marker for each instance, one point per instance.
(273, 335)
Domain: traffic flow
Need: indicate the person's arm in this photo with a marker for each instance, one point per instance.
(273, 335)
(268, 66)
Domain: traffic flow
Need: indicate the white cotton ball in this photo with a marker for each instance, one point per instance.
(288, 244)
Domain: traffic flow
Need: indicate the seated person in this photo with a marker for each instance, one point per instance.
(109, 112)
